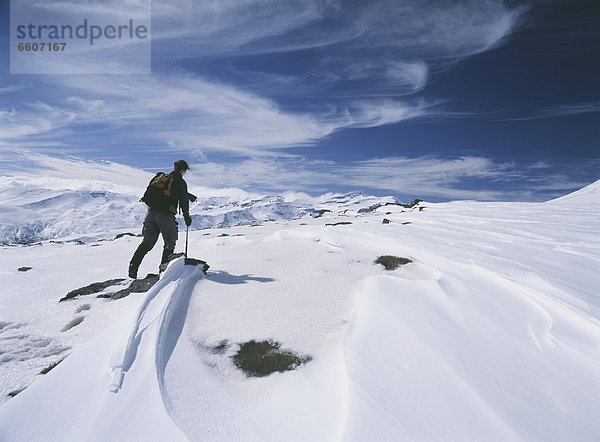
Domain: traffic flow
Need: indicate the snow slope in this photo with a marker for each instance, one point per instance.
(491, 333)
(587, 194)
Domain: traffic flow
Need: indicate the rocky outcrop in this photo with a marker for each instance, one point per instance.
(136, 286)
(91, 289)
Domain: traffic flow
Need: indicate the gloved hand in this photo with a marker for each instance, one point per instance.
(191, 197)
(188, 219)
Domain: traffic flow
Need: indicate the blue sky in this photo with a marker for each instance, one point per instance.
(439, 100)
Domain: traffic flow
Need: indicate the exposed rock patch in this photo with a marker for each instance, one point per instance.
(91, 289)
(136, 286)
(16, 392)
(121, 235)
(321, 212)
(24, 269)
(374, 207)
(50, 367)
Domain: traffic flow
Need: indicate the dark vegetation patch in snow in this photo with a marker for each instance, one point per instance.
(221, 348)
(136, 286)
(392, 262)
(72, 323)
(96, 287)
(16, 392)
(24, 269)
(51, 366)
(261, 358)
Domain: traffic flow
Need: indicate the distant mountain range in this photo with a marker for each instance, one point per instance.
(31, 213)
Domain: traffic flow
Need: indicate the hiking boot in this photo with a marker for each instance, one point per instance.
(136, 260)
(170, 257)
(165, 255)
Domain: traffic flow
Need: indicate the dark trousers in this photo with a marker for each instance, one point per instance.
(159, 222)
(156, 222)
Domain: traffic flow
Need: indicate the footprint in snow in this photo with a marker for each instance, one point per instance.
(83, 307)
(72, 323)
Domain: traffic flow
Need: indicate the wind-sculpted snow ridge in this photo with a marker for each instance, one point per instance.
(130, 359)
(498, 333)
(468, 365)
(162, 300)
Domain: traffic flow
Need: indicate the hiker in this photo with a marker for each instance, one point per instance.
(164, 194)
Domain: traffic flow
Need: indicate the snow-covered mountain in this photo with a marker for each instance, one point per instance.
(34, 209)
(30, 214)
(487, 328)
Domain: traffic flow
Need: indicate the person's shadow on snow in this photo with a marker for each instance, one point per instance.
(226, 278)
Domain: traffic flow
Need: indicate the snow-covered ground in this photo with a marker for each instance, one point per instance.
(492, 332)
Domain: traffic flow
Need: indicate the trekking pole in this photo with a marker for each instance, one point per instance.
(187, 231)
(191, 261)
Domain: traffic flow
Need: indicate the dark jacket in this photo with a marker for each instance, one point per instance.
(179, 193)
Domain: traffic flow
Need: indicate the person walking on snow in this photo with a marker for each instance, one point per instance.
(161, 215)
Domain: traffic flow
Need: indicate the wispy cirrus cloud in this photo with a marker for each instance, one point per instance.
(193, 114)
(559, 111)
(15, 87)
(253, 79)
(430, 177)
(61, 172)
(33, 119)
(183, 107)
(570, 109)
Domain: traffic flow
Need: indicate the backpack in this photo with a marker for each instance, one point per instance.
(158, 193)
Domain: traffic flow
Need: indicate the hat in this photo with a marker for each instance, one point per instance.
(181, 165)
